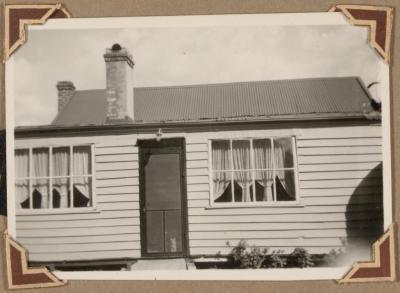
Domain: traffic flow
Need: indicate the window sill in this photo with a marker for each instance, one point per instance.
(282, 204)
(57, 211)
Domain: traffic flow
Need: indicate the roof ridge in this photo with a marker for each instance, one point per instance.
(245, 82)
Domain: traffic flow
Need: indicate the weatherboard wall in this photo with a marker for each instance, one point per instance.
(340, 195)
(338, 167)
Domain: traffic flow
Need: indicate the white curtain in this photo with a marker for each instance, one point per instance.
(220, 161)
(40, 163)
(283, 155)
(263, 160)
(241, 161)
(21, 171)
(61, 168)
(81, 166)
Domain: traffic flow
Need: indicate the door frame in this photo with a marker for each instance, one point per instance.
(178, 143)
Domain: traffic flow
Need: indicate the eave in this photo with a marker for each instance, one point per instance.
(190, 126)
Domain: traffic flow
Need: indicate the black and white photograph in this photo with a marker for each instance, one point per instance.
(219, 145)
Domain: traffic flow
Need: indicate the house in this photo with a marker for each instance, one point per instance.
(181, 171)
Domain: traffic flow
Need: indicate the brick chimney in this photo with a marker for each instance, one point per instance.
(66, 90)
(119, 65)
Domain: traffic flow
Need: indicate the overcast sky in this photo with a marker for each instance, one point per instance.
(179, 56)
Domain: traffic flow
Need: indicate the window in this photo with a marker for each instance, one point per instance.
(54, 177)
(253, 170)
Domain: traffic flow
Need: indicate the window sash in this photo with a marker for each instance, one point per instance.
(254, 170)
(51, 177)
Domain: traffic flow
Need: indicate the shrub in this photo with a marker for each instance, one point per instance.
(300, 258)
(275, 260)
(247, 257)
(244, 256)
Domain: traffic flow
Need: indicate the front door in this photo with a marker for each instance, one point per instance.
(162, 198)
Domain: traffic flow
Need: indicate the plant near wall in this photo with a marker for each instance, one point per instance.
(300, 258)
(275, 260)
(246, 257)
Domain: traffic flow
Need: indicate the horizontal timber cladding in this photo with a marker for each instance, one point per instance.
(340, 194)
(110, 231)
(340, 184)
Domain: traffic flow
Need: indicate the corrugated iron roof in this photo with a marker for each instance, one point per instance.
(87, 107)
(301, 98)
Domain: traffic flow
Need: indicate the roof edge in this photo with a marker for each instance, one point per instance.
(46, 129)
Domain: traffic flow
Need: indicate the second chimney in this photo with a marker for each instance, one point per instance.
(119, 65)
(66, 90)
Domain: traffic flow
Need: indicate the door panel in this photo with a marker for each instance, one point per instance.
(162, 200)
(154, 231)
(173, 231)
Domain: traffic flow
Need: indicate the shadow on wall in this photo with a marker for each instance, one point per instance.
(364, 216)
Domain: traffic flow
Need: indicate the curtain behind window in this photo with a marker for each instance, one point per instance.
(61, 185)
(241, 161)
(21, 170)
(40, 186)
(220, 161)
(263, 160)
(81, 166)
(283, 155)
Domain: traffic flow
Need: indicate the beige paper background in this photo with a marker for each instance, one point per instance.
(106, 8)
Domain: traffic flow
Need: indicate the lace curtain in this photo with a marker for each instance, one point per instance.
(263, 160)
(284, 159)
(241, 161)
(21, 171)
(220, 161)
(60, 174)
(40, 185)
(81, 163)
(61, 184)
(263, 167)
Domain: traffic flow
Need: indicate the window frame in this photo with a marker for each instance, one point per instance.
(50, 178)
(274, 203)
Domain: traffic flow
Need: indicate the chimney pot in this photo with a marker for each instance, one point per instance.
(66, 91)
(116, 47)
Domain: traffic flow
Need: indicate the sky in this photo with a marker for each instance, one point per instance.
(184, 55)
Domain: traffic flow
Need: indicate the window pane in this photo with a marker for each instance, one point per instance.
(162, 176)
(221, 155)
(40, 193)
(61, 161)
(61, 193)
(262, 154)
(21, 163)
(264, 185)
(82, 160)
(283, 152)
(82, 191)
(285, 185)
(22, 193)
(242, 187)
(241, 154)
(222, 187)
(40, 162)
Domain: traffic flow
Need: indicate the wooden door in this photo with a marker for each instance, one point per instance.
(162, 198)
